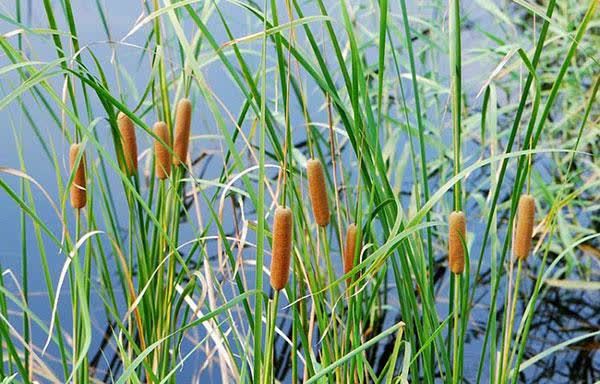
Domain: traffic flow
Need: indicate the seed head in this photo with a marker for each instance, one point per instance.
(282, 248)
(350, 248)
(183, 118)
(456, 238)
(163, 157)
(317, 191)
(128, 142)
(524, 231)
(77, 188)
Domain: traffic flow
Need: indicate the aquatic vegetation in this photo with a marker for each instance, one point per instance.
(279, 191)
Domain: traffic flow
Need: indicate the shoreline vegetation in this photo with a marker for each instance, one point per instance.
(404, 224)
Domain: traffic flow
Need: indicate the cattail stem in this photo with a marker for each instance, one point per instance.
(456, 368)
(128, 143)
(511, 304)
(282, 247)
(183, 119)
(161, 152)
(270, 353)
(78, 186)
(456, 239)
(317, 191)
(350, 249)
(524, 230)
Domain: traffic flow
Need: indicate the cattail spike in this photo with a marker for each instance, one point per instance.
(456, 238)
(128, 142)
(317, 191)
(350, 248)
(524, 232)
(77, 189)
(163, 157)
(183, 118)
(282, 248)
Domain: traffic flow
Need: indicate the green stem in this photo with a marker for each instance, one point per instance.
(455, 88)
(455, 349)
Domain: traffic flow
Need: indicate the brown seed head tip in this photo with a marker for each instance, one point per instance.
(282, 248)
(525, 222)
(128, 142)
(77, 188)
(183, 119)
(456, 237)
(162, 162)
(317, 191)
(350, 248)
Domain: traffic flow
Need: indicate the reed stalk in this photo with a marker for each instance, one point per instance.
(456, 260)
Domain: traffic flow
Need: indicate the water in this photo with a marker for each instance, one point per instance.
(562, 314)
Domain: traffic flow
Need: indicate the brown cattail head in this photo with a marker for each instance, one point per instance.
(524, 232)
(183, 119)
(128, 142)
(350, 247)
(161, 152)
(456, 238)
(78, 192)
(318, 191)
(282, 248)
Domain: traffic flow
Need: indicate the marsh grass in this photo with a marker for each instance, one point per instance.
(368, 122)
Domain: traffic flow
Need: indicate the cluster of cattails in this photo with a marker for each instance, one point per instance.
(163, 161)
(522, 238)
(282, 224)
(128, 141)
(282, 228)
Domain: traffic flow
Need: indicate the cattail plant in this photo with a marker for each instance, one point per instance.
(78, 191)
(282, 247)
(524, 231)
(350, 248)
(456, 237)
(128, 142)
(163, 157)
(318, 191)
(183, 118)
